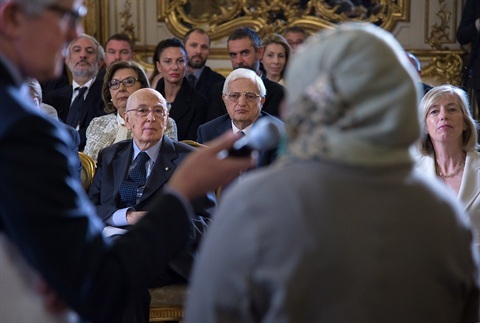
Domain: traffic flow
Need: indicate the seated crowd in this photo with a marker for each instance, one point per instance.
(341, 131)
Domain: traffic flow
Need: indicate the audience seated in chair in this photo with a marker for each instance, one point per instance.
(243, 95)
(79, 103)
(246, 50)
(201, 77)
(125, 186)
(187, 106)
(121, 80)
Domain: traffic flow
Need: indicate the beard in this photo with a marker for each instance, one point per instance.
(89, 72)
(198, 64)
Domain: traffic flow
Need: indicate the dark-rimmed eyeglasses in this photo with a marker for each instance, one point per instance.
(128, 82)
(249, 96)
(143, 112)
(72, 17)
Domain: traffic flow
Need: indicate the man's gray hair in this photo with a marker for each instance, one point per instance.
(244, 73)
(100, 50)
(33, 7)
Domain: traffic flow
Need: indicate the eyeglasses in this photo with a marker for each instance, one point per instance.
(72, 16)
(128, 82)
(249, 96)
(143, 112)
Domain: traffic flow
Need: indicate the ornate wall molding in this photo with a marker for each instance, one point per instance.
(220, 17)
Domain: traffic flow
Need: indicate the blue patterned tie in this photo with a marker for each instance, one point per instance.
(73, 117)
(135, 179)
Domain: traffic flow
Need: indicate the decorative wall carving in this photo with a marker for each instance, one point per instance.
(220, 17)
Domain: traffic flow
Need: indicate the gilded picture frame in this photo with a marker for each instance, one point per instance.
(220, 17)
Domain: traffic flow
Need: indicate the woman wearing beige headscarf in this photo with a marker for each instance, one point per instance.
(448, 146)
(341, 228)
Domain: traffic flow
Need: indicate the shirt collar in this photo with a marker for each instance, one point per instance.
(152, 152)
(88, 84)
(197, 72)
(246, 131)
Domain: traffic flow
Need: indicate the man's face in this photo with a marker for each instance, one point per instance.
(118, 50)
(147, 117)
(83, 59)
(294, 39)
(244, 112)
(242, 54)
(198, 48)
(39, 40)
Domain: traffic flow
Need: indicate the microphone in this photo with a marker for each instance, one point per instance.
(265, 134)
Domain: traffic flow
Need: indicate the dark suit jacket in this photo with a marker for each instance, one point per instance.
(47, 215)
(275, 94)
(207, 80)
(222, 124)
(61, 100)
(189, 110)
(467, 33)
(112, 168)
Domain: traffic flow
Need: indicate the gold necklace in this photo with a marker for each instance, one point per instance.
(455, 172)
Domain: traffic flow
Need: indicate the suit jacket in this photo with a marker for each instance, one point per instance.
(275, 94)
(351, 238)
(48, 217)
(189, 110)
(467, 33)
(222, 124)
(206, 81)
(61, 100)
(112, 168)
(469, 194)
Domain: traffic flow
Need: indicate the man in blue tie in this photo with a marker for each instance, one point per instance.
(131, 173)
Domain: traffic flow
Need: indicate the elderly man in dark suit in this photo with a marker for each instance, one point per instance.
(79, 103)
(120, 207)
(243, 95)
(246, 50)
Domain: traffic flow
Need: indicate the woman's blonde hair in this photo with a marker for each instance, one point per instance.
(469, 139)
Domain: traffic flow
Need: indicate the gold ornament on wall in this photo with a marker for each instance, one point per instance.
(221, 17)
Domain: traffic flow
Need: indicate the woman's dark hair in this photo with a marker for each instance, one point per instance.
(107, 97)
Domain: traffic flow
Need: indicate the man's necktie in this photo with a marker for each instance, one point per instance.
(73, 117)
(135, 179)
(192, 80)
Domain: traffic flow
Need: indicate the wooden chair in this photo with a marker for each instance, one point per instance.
(167, 303)
(88, 170)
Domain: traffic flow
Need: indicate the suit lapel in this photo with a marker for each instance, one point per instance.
(90, 99)
(470, 185)
(225, 126)
(162, 170)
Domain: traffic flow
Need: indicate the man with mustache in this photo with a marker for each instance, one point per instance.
(201, 77)
(77, 104)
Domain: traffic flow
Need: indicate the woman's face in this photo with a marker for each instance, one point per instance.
(445, 121)
(274, 59)
(120, 95)
(172, 65)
